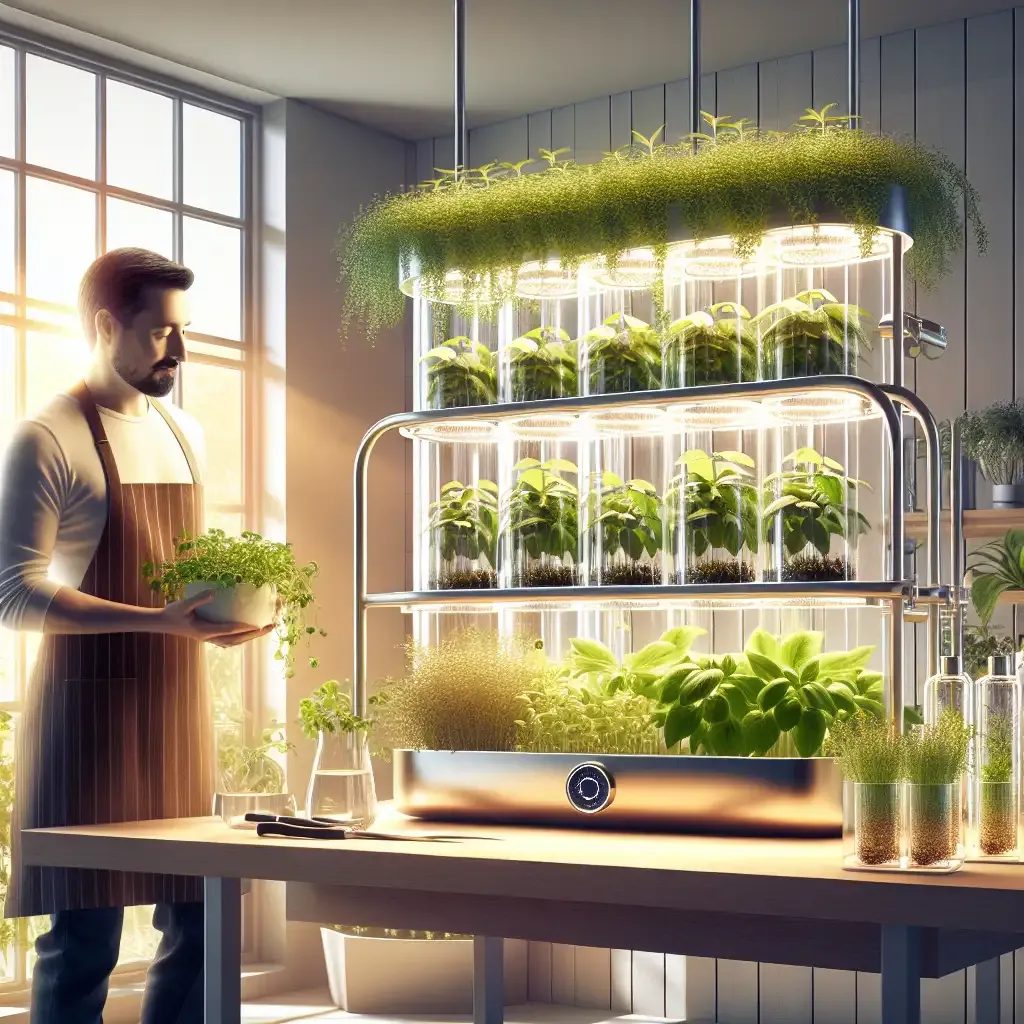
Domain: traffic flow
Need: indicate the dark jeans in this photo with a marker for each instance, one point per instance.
(71, 976)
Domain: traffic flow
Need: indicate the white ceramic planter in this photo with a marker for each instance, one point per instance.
(255, 606)
(411, 976)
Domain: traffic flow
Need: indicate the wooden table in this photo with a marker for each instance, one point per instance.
(784, 901)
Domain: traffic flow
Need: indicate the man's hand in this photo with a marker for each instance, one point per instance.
(179, 619)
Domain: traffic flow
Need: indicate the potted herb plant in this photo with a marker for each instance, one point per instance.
(624, 531)
(935, 759)
(716, 346)
(811, 334)
(713, 510)
(463, 531)
(341, 782)
(994, 438)
(806, 507)
(256, 581)
(542, 365)
(460, 372)
(623, 355)
(543, 524)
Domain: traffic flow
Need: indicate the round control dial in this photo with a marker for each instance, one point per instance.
(590, 788)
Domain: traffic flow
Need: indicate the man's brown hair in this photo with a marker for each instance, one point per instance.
(117, 282)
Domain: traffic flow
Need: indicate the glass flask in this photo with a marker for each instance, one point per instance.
(996, 804)
(949, 688)
(934, 826)
(341, 783)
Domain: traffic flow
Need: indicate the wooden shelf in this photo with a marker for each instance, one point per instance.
(979, 523)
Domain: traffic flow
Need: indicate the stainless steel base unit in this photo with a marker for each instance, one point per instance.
(795, 797)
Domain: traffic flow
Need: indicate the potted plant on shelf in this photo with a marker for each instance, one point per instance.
(542, 365)
(463, 531)
(460, 372)
(543, 524)
(805, 508)
(996, 568)
(256, 581)
(624, 355)
(980, 644)
(713, 510)
(994, 438)
(624, 531)
(811, 334)
(716, 346)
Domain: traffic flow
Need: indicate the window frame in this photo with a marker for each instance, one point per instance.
(21, 314)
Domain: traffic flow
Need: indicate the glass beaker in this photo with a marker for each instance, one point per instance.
(341, 783)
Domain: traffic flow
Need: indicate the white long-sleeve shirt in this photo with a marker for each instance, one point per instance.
(53, 496)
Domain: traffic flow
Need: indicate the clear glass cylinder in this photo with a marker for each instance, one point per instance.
(341, 783)
(996, 805)
(948, 689)
(538, 356)
(877, 819)
(934, 826)
(455, 357)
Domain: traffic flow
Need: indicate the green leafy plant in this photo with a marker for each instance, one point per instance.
(719, 513)
(543, 518)
(251, 767)
(543, 365)
(811, 334)
(224, 562)
(980, 644)
(486, 224)
(460, 372)
(8, 928)
(329, 709)
(624, 523)
(994, 438)
(624, 355)
(717, 346)
(461, 693)
(996, 567)
(463, 529)
(805, 507)
(997, 811)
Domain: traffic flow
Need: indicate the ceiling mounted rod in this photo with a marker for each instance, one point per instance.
(461, 135)
(695, 70)
(853, 61)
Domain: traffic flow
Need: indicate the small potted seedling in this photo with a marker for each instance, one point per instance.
(542, 365)
(716, 346)
(624, 531)
(806, 507)
(460, 372)
(623, 355)
(463, 533)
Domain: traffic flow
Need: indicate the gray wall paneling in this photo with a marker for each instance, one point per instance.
(593, 129)
(647, 109)
(621, 120)
(539, 135)
(563, 129)
(677, 106)
(508, 140)
(1018, 207)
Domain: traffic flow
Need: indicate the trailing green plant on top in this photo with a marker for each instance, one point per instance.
(543, 365)
(716, 346)
(624, 523)
(996, 567)
(460, 372)
(329, 709)
(464, 527)
(811, 334)
(487, 221)
(543, 521)
(994, 438)
(624, 355)
(225, 561)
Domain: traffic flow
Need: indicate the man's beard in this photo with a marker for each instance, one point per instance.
(154, 384)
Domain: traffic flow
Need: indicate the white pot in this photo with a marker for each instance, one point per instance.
(253, 606)
(411, 976)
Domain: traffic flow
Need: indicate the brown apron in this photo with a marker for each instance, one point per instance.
(117, 726)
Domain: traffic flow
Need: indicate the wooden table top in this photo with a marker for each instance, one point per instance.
(774, 877)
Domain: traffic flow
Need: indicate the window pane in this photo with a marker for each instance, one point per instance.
(214, 253)
(53, 362)
(212, 154)
(140, 140)
(7, 280)
(139, 938)
(7, 101)
(213, 394)
(60, 116)
(60, 224)
(143, 226)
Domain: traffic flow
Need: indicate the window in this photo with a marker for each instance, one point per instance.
(92, 158)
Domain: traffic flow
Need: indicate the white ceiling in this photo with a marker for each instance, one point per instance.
(388, 63)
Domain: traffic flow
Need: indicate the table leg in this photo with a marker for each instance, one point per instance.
(488, 980)
(901, 974)
(987, 996)
(222, 951)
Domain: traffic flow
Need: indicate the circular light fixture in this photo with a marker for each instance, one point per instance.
(545, 279)
(544, 427)
(635, 270)
(459, 288)
(822, 245)
(719, 414)
(815, 407)
(714, 259)
(639, 420)
(454, 432)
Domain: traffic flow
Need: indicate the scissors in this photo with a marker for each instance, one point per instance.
(289, 827)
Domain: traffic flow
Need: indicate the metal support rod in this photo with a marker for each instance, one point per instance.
(987, 995)
(898, 310)
(957, 547)
(488, 980)
(901, 974)
(461, 135)
(694, 69)
(853, 61)
(895, 699)
(222, 951)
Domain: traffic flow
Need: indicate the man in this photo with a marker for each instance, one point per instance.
(117, 723)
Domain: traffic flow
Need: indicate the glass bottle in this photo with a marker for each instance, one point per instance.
(341, 783)
(950, 687)
(996, 811)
